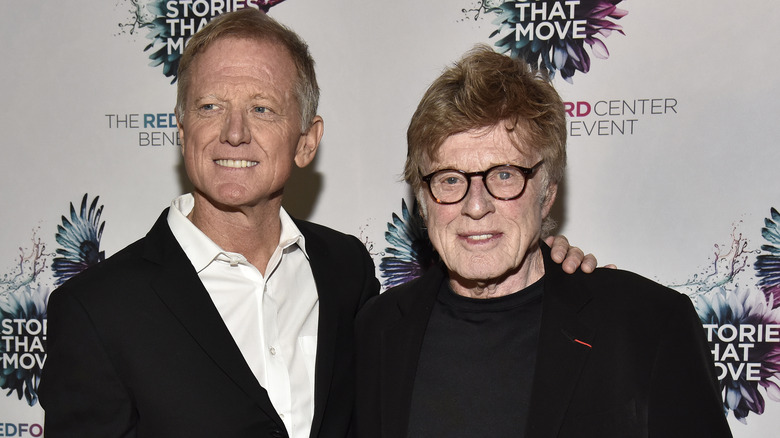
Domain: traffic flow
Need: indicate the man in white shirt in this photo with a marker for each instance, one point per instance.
(229, 319)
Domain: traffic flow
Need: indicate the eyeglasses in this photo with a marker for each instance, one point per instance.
(504, 182)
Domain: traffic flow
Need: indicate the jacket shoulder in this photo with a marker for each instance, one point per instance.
(413, 294)
(390, 297)
(124, 262)
(620, 281)
(119, 278)
(632, 294)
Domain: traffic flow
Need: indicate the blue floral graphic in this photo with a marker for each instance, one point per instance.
(410, 252)
(79, 240)
(768, 263)
(156, 17)
(25, 290)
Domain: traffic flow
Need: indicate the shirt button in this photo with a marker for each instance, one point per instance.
(273, 351)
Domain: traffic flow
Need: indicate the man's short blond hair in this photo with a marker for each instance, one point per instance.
(251, 23)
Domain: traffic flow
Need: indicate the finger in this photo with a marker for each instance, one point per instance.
(573, 260)
(610, 266)
(559, 248)
(589, 264)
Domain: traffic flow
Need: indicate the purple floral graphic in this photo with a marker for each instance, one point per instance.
(743, 308)
(552, 35)
(741, 317)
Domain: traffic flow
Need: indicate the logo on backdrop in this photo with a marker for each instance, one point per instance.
(170, 24)
(25, 289)
(737, 297)
(152, 129)
(598, 118)
(558, 36)
(561, 37)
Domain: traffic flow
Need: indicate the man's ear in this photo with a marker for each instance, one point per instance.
(422, 207)
(309, 142)
(549, 199)
(180, 128)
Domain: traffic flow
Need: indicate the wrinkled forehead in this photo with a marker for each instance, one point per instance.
(501, 143)
(248, 53)
(261, 54)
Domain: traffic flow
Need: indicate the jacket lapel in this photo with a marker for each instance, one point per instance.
(179, 287)
(327, 327)
(562, 350)
(401, 345)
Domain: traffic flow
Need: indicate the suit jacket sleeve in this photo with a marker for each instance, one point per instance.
(80, 389)
(684, 397)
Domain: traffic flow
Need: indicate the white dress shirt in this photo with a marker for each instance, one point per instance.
(272, 318)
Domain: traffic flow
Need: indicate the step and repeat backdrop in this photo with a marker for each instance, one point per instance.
(673, 148)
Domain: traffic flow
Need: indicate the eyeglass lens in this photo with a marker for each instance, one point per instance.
(450, 186)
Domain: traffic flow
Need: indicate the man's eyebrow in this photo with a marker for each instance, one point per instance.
(264, 96)
(210, 96)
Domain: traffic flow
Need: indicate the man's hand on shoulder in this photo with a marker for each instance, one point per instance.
(571, 257)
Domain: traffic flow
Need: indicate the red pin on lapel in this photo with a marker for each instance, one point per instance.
(583, 343)
(575, 339)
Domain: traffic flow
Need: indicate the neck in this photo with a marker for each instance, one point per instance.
(529, 272)
(253, 232)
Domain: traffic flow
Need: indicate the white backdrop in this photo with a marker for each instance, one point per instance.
(669, 198)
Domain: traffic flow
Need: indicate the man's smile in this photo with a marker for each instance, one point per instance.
(236, 163)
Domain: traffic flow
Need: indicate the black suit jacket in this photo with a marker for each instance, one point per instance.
(647, 370)
(136, 348)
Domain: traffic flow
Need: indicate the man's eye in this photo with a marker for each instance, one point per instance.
(505, 175)
(449, 179)
(261, 109)
(208, 107)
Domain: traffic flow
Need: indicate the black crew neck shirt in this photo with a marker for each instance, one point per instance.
(476, 367)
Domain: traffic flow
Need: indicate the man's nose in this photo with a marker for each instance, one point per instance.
(235, 129)
(478, 202)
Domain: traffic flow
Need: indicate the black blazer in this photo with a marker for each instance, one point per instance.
(647, 373)
(136, 348)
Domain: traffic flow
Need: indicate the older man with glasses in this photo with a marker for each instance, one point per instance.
(497, 341)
